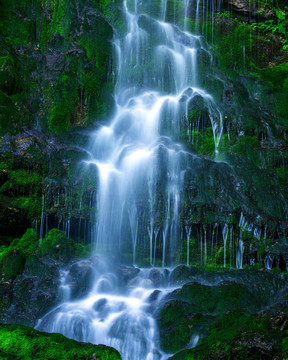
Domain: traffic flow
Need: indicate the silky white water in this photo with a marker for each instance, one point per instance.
(141, 167)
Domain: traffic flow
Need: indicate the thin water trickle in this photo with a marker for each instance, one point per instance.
(140, 169)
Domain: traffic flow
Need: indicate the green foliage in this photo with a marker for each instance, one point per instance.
(23, 189)
(203, 142)
(225, 14)
(180, 317)
(20, 342)
(278, 25)
(4, 251)
(229, 40)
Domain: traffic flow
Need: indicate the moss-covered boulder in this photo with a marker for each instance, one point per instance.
(12, 258)
(217, 299)
(57, 245)
(178, 322)
(13, 264)
(187, 312)
(20, 342)
(181, 317)
(240, 337)
(28, 242)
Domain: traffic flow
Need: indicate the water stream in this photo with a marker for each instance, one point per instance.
(141, 167)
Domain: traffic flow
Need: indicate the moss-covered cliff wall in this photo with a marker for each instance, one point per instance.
(56, 64)
(57, 76)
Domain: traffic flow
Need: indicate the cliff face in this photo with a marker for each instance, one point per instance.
(57, 76)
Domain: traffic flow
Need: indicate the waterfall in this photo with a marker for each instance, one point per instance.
(140, 167)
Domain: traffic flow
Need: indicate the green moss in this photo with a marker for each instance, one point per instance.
(277, 75)
(240, 337)
(26, 343)
(28, 242)
(25, 180)
(220, 256)
(177, 324)
(234, 36)
(218, 299)
(64, 98)
(193, 252)
(82, 251)
(57, 245)
(53, 27)
(179, 319)
(12, 264)
(25, 246)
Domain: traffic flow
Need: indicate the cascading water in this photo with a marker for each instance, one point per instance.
(141, 170)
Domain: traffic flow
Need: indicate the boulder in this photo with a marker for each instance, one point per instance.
(80, 278)
(35, 292)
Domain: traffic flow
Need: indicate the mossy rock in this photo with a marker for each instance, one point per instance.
(28, 242)
(225, 296)
(12, 258)
(178, 323)
(35, 292)
(240, 337)
(21, 342)
(6, 298)
(191, 309)
(13, 264)
(57, 245)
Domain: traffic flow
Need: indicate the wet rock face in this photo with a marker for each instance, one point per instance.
(6, 297)
(127, 273)
(32, 293)
(37, 178)
(247, 10)
(182, 273)
(80, 278)
(47, 58)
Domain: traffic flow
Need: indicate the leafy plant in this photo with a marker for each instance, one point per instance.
(278, 25)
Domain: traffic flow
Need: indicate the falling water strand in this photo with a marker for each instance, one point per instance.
(225, 236)
(188, 232)
(205, 244)
(42, 219)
